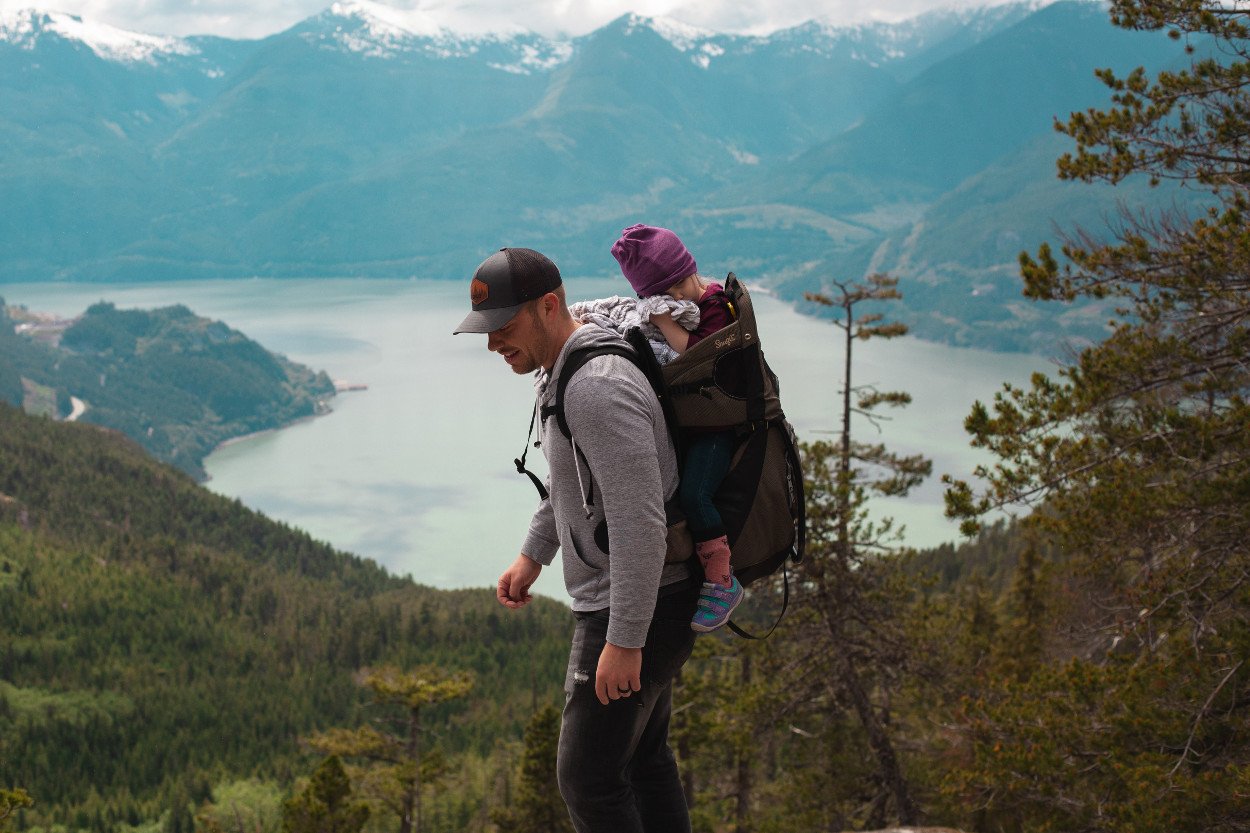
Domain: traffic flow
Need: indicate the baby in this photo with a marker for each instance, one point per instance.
(655, 261)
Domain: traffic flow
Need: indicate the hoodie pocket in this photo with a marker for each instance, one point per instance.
(588, 554)
(585, 568)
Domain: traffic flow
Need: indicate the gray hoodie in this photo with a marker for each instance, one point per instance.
(618, 427)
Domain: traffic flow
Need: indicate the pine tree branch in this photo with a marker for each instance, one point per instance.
(1201, 714)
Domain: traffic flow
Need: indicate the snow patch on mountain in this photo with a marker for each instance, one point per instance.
(535, 59)
(682, 36)
(877, 41)
(389, 24)
(24, 28)
(379, 31)
(375, 30)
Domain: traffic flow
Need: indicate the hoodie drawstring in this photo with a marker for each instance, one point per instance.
(577, 466)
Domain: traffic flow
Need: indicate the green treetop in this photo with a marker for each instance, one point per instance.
(398, 765)
(10, 802)
(1141, 445)
(536, 805)
(325, 805)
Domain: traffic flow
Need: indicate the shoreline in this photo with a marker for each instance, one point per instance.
(229, 441)
(322, 409)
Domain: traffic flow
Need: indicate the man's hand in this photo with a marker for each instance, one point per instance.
(514, 585)
(619, 674)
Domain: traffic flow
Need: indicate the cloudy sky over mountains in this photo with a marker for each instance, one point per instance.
(257, 18)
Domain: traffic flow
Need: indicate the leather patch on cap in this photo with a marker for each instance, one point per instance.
(478, 292)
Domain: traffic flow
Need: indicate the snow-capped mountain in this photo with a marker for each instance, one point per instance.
(26, 28)
(374, 30)
(906, 47)
(702, 45)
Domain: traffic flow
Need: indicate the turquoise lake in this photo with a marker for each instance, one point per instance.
(416, 471)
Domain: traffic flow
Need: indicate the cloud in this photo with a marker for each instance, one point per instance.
(228, 18)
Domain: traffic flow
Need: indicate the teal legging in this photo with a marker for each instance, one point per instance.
(707, 462)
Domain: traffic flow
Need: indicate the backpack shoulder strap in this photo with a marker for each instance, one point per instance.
(640, 355)
(644, 358)
(574, 362)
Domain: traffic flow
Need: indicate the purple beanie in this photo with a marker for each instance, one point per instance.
(652, 259)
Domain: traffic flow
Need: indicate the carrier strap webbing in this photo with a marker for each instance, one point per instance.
(800, 543)
(520, 461)
(755, 399)
(575, 361)
(785, 604)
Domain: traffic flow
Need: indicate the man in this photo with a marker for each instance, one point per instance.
(605, 512)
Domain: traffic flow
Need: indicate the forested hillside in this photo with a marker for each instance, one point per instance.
(173, 382)
(157, 641)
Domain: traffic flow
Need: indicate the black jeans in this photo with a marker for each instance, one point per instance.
(617, 773)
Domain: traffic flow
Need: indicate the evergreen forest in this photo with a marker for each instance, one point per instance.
(162, 643)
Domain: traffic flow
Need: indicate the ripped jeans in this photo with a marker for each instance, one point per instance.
(616, 771)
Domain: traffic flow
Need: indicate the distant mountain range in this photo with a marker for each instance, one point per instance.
(367, 141)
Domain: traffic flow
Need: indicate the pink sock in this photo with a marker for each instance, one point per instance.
(714, 555)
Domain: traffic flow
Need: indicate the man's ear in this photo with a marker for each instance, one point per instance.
(548, 304)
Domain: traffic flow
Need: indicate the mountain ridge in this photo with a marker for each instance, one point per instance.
(390, 22)
(784, 155)
(24, 27)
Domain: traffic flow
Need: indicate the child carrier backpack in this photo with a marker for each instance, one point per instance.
(722, 382)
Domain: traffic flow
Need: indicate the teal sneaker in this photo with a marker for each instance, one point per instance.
(716, 604)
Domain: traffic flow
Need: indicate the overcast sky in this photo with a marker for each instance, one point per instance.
(257, 18)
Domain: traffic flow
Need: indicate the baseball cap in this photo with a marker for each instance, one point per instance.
(502, 285)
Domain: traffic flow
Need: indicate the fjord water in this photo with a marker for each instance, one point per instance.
(416, 471)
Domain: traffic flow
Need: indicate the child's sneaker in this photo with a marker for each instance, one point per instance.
(716, 603)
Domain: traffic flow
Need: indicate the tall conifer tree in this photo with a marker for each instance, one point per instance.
(325, 805)
(536, 805)
(399, 762)
(1140, 452)
(853, 594)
